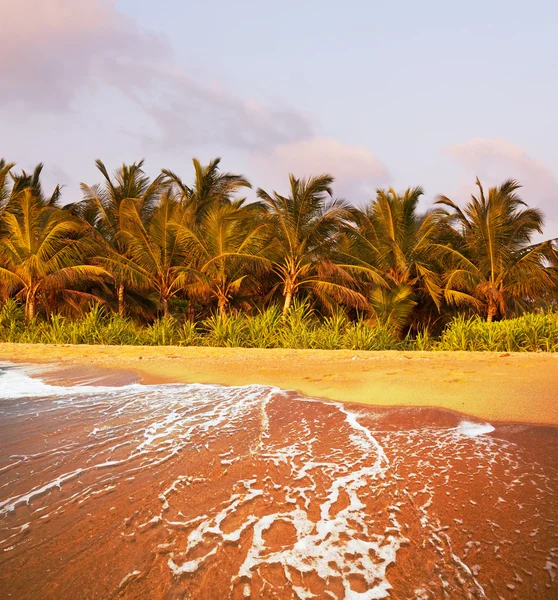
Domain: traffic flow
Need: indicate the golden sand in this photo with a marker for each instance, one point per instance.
(499, 387)
(216, 493)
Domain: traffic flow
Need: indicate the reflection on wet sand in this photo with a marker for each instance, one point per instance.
(189, 491)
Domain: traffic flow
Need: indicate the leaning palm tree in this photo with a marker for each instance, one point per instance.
(496, 267)
(393, 247)
(43, 252)
(5, 183)
(5, 194)
(552, 293)
(306, 225)
(101, 208)
(155, 258)
(210, 186)
(226, 250)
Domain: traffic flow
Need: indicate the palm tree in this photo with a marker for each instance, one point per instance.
(101, 208)
(25, 181)
(210, 186)
(155, 257)
(12, 185)
(226, 248)
(43, 252)
(496, 268)
(395, 248)
(307, 226)
(552, 293)
(5, 188)
(5, 194)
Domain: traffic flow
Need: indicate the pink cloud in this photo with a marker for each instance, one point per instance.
(51, 52)
(495, 160)
(356, 169)
(499, 159)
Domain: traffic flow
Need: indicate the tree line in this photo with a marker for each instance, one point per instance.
(149, 248)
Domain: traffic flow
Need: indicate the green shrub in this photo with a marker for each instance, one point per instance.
(162, 332)
(262, 329)
(528, 333)
(299, 328)
(361, 336)
(187, 334)
(229, 331)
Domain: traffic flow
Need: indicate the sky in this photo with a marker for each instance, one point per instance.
(379, 93)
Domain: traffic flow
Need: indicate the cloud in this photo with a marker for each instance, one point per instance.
(61, 56)
(499, 159)
(494, 161)
(51, 52)
(356, 170)
(189, 113)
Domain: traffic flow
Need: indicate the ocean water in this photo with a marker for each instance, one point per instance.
(205, 491)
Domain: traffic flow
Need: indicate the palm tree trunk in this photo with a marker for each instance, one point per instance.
(491, 312)
(222, 306)
(120, 299)
(165, 307)
(289, 292)
(287, 303)
(30, 306)
(191, 311)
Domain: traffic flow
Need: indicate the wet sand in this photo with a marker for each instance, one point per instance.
(209, 492)
(517, 387)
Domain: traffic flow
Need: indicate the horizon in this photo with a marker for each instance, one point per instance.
(401, 96)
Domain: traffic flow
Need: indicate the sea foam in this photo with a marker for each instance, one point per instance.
(473, 429)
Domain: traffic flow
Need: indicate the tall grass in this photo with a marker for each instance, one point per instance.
(300, 328)
(529, 333)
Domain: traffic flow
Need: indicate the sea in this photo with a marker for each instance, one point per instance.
(212, 492)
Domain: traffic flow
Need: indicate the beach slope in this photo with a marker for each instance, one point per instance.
(517, 387)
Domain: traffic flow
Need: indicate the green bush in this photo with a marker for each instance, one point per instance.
(528, 333)
(299, 328)
(228, 331)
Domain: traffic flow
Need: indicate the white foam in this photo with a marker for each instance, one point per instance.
(342, 543)
(321, 493)
(551, 568)
(10, 504)
(18, 383)
(472, 429)
(128, 577)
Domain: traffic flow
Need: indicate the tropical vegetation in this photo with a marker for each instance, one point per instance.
(159, 261)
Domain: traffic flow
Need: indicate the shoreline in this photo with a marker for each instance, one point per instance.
(497, 387)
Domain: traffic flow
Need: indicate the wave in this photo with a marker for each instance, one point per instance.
(243, 488)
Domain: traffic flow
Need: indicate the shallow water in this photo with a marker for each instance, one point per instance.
(198, 491)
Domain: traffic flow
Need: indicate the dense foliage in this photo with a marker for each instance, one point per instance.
(300, 328)
(140, 260)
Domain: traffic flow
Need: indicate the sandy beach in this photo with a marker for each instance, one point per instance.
(517, 387)
(114, 490)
